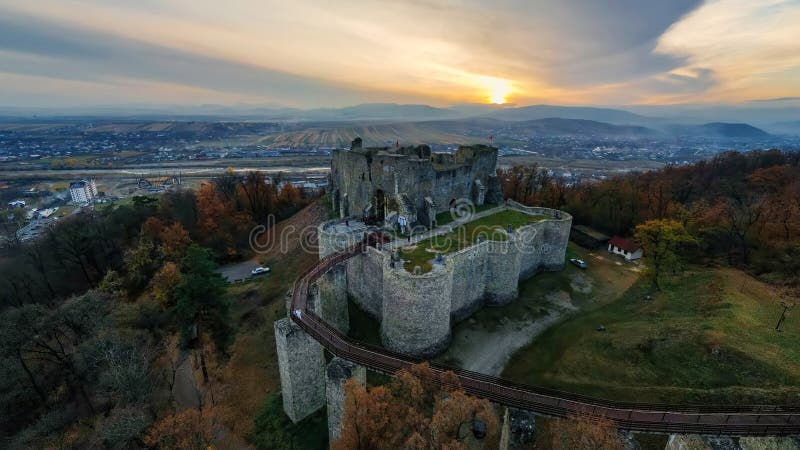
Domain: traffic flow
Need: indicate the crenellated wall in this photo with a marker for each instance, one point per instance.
(417, 310)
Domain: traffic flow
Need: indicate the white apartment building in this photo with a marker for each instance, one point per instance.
(83, 191)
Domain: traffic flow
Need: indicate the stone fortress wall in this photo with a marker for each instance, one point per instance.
(412, 180)
(417, 311)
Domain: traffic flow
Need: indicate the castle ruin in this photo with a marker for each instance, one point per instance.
(410, 184)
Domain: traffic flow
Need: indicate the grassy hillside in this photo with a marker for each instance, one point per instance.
(707, 337)
(338, 135)
(251, 374)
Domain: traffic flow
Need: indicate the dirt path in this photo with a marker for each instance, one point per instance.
(488, 352)
(486, 342)
(185, 390)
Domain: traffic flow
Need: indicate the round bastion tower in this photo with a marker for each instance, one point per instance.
(416, 309)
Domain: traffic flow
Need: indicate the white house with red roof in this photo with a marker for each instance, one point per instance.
(625, 248)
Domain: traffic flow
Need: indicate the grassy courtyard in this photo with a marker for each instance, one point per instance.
(491, 227)
(708, 337)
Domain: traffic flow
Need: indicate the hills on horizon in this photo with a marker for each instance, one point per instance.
(540, 119)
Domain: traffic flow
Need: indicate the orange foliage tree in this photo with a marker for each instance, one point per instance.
(164, 283)
(174, 240)
(578, 434)
(418, 409)
(185, 430)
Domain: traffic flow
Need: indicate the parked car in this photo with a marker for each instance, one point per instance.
(259, 271)
(579, 262)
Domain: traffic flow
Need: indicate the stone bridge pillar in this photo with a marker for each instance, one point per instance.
(302, 368)
(338, 373)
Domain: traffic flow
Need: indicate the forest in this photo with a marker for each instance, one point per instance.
(739, 209)
(93, 314)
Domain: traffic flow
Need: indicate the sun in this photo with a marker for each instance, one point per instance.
(497, 89)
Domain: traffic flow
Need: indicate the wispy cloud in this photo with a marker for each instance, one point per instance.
(321, 53)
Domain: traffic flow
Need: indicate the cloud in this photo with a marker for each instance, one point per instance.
(751, 46)
(45, 50)
(322, 53)
(779, 99)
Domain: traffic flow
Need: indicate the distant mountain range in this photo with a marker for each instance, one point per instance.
(718, 129)
(459, 119)
(474, 130)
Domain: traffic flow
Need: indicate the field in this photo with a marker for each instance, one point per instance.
(486, 341)
(708, 337)
(338, 135)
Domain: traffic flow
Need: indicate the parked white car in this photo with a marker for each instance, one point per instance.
(259, 271)
(579, 262)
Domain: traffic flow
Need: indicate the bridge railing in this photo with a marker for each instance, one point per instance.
(652, 417)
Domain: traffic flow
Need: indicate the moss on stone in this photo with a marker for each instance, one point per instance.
(491, 227)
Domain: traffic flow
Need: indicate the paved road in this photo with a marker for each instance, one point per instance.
(237, 271)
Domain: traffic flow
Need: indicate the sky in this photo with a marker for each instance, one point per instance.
(329, 53)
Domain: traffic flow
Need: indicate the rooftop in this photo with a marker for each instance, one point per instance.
(624, 244)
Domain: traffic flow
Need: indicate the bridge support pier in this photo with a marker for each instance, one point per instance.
(338, 373)
(331, 302)
(302, 367)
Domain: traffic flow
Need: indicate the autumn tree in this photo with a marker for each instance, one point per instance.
(174, 240)
(165, 283)
(662, 241)
(185, 430)
(141, 261)
(419, 409)
(578, 434)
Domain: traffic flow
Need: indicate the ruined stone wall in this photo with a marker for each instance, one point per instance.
(416, 310)
(329, 241)
(502, 271)
(365, 281)
(469, 280)
(543, 245)
(529, 240)
(331, 301)
(358, 174)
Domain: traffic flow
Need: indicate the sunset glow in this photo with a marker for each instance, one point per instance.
(317, 53)
(499, 90)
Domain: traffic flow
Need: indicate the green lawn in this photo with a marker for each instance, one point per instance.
(445, 217)
(491, 227)
(708, 337)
